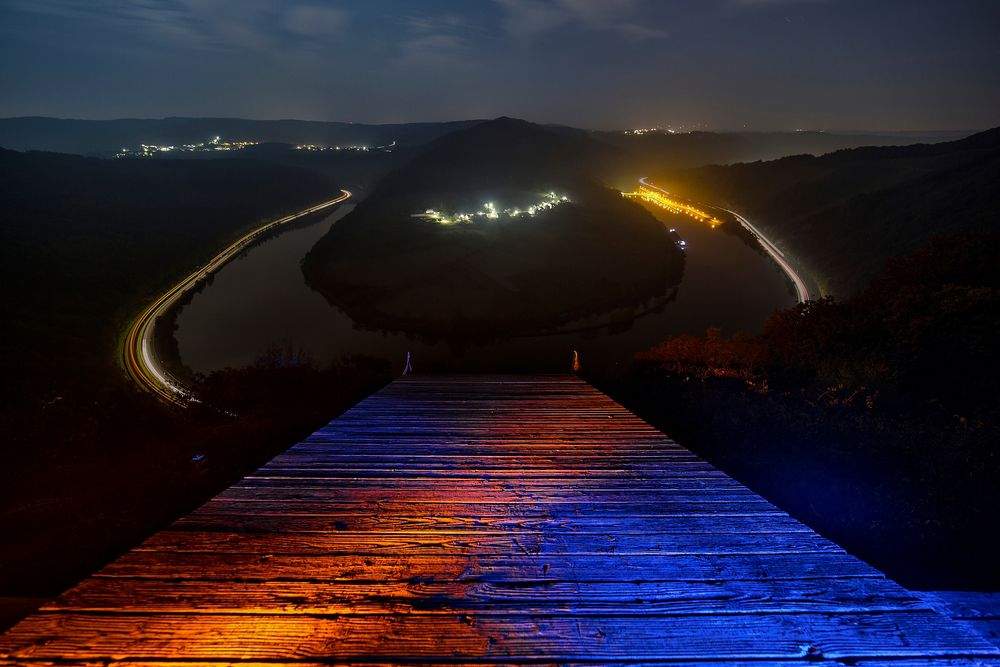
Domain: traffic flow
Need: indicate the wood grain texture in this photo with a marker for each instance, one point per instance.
(176, 566)
(403, 636)
(489, 520)
(939, 662)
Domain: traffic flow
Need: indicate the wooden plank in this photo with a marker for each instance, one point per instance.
(581, 484)
(485, 494)
(593, 460)
(462, 663)
(437, 636)
(533, 477)
(668, 508)
(505, 567)
(965, 604)
(31, 662)
(541, 597)
(562, 470)
(920, 662)
(466, 447)
(484, 543)
(478, 525)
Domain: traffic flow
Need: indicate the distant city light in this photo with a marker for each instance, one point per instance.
(387, 148)
(215, 144)
(490, 211)
(668, 129)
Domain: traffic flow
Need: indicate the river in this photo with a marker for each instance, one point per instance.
(260, 300)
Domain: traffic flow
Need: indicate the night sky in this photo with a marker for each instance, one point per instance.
(711, 64)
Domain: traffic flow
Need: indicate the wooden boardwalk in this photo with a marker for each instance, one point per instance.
(489, 519)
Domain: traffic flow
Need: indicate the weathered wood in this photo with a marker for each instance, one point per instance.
(506, 567)
(965, 604)
(405, 636)
(542, 597)
(483, 543)
(489, 520)
(942, 662)
(666, 508)
(414, 472)
(458, 486)
(511, 493)
(462, 663)
(478, 525)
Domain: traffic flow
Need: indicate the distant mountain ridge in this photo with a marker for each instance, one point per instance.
(647, 151)
(655, 151)
(502, 153)
(104, 137)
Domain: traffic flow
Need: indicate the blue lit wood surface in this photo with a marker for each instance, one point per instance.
(489, 519)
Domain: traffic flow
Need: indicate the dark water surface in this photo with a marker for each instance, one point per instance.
(260, 300)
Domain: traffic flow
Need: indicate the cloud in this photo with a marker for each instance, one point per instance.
(150, 17)
(213, 25)
(754, 4)
(445, 22)
(431, 44)
(525, 19)
(596, 11)
(640, 32)
(530, 17)
(433, 39)
(315, 21)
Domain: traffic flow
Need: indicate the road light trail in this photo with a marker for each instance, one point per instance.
(802, 292)
(137, 351)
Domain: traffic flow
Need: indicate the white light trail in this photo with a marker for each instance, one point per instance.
(802, 292)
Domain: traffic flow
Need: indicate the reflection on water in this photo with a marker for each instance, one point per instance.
(261, 299)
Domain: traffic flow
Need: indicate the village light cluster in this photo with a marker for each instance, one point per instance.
(489, 211)
(666, 129)
(353, 147)
(674, 206)
(216, 144)
(639, 131)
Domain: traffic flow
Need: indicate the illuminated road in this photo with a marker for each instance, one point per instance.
(137, 352)
(802, 292)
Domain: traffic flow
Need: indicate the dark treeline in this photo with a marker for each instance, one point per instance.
(656, 151)
(88, 242)
(873, 419)
(91, 465)
(843, 214)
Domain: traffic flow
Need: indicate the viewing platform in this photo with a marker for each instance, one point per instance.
(490, 520)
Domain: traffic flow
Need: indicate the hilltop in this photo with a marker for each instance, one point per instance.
(391, 264)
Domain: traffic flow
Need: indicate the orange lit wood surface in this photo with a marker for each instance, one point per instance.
(489, 520)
